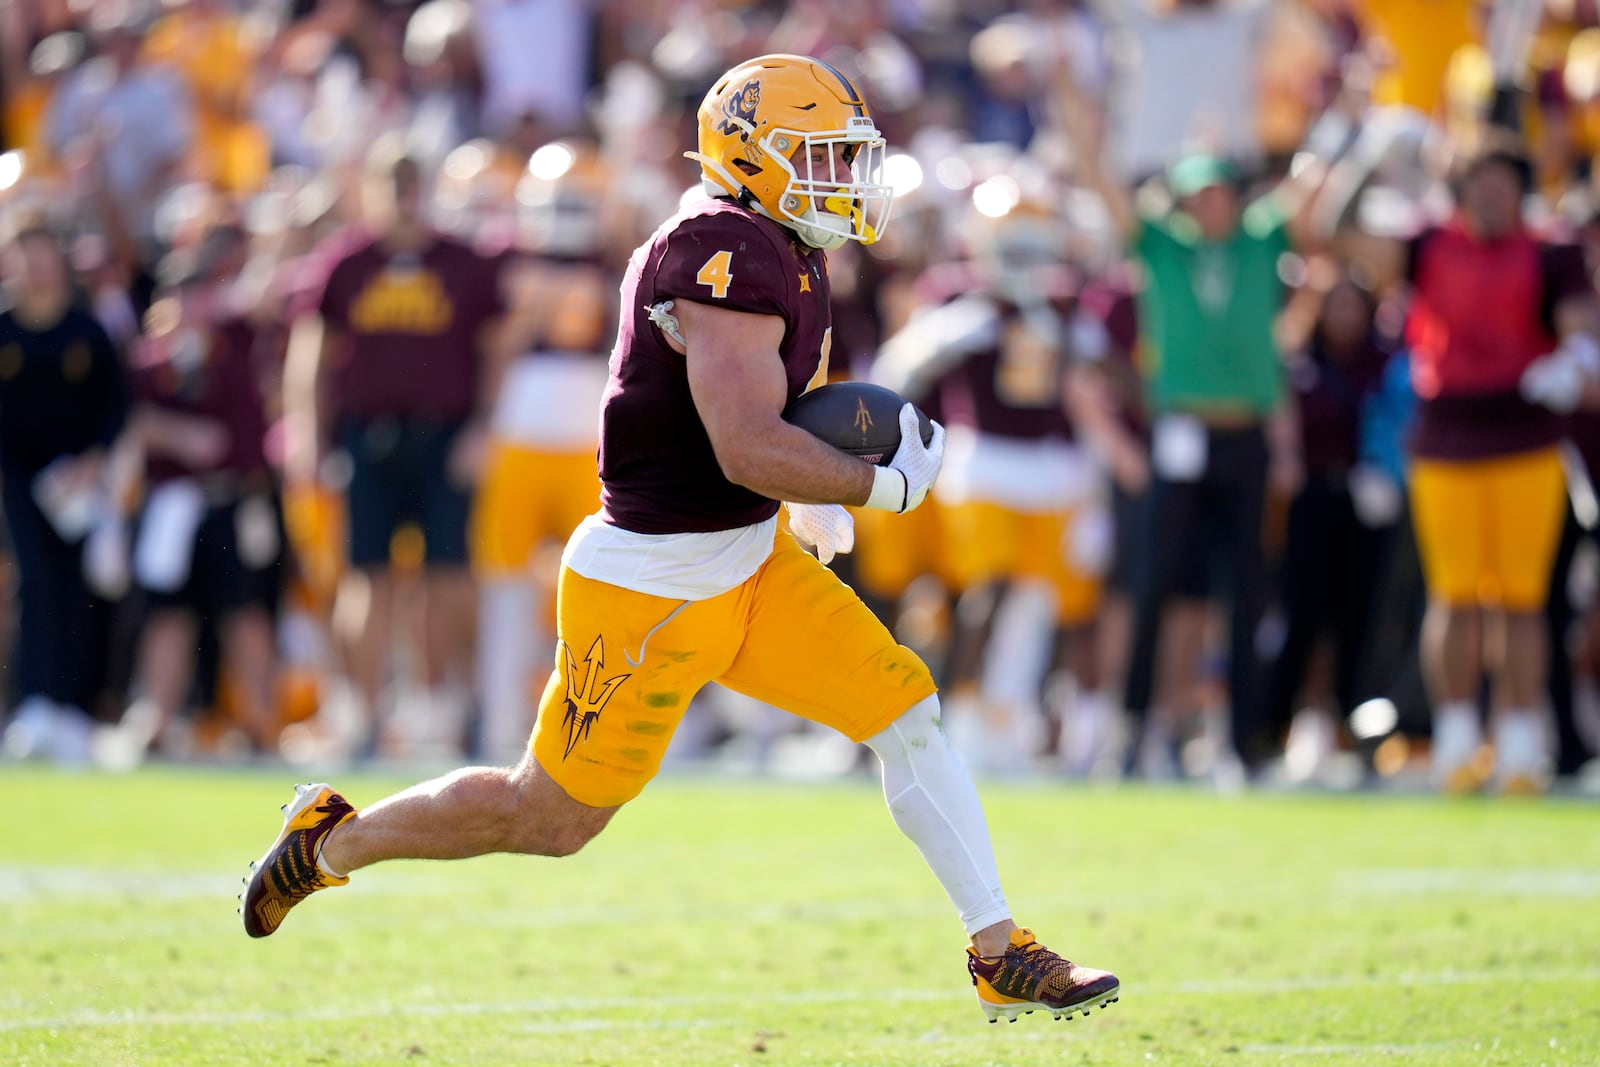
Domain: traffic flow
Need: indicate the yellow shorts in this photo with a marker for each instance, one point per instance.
(988, 542)
(628, 663)
(1487, 529)
(892, 551)
(527, 496)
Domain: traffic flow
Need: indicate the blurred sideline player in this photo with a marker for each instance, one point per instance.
(682, 578)
(1024, 523)
(540, 478)
(398, 367)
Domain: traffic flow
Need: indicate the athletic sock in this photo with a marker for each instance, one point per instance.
(322, 864)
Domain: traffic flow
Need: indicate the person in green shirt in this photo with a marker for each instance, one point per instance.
(1222, 422)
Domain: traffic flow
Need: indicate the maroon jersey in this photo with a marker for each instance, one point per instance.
(411, 322)
(658, 472)
(1017, 387)
(207, 373)
(1331, 391)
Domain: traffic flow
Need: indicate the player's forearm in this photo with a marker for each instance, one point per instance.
(785, 463)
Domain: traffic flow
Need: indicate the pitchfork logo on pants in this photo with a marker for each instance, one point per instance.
(587, 695)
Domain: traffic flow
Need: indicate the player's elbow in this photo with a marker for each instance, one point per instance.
(740, 468)
(746, 453)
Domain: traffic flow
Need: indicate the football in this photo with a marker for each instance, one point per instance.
(855, 417)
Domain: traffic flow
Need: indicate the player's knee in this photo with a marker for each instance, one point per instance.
(566, 840)
(919, 729)
(544, 821)
(540, 837)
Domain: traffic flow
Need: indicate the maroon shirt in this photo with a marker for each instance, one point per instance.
(1111, 299)
(1331, 392)
(212, 374)
(1583, 430)
(1016, 389)
(411, 323)
(658, 471)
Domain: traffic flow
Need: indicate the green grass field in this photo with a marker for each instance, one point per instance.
(725, 922)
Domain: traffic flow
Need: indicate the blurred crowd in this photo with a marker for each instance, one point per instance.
(1262, 329)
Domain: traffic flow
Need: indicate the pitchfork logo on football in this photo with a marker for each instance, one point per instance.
(863, 421)
(587, 695)
(739, 112)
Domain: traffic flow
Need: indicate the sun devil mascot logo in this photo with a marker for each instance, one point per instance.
(587, 695)
(739, 110)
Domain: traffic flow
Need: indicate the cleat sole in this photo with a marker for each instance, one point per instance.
(1013, 1011)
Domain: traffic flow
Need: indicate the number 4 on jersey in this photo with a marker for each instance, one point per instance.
(716, 274)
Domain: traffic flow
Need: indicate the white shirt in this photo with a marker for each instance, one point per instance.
(680, 566)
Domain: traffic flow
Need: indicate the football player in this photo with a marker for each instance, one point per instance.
(1025, 522)
(681, 578)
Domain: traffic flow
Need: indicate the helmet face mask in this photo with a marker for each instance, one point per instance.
(790, 137)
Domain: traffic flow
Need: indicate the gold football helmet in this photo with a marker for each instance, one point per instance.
(760, 127)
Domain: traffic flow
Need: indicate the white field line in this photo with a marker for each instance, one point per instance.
(1376, 1049)
(47, 884)
(1398, 980)
(453, 1009)
(50, 885)
(456, 1009)
(22, 884)
(1577, 882)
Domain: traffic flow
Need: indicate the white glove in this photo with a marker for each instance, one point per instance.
(905, 482)
(1376, 497)
(1556, 379)
(828, 528)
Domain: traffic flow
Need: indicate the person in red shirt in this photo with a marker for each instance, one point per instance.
(1501, 331)
(397, 370)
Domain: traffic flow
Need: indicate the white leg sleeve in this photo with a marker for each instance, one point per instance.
(933, 801)
(507, 642)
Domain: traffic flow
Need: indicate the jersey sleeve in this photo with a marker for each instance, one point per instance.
(726, 262)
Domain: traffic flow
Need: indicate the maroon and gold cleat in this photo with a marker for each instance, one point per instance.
(288, 873)
(1029, 977)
